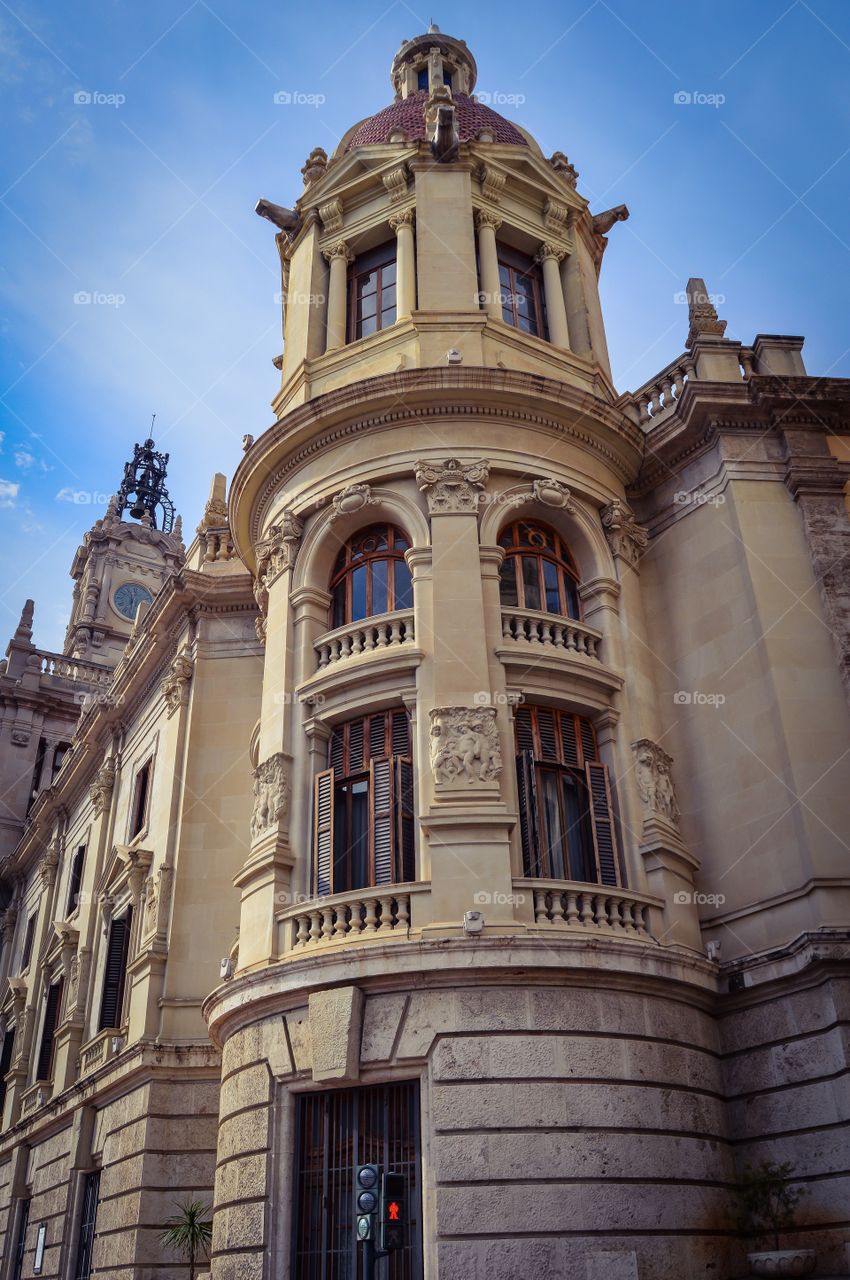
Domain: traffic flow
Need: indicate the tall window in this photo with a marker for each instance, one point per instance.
(336, 1131)
(60, 751)
(88, 1222)
(21, 1239)
(6, 1052)
(371, 292)
(115, 973)
(538, 571)
(371, 576)
(40, 753)
(29, 939)
(566, 815)
(44, 1070)
(75, 880)
(141, 796)
(363, 820)
(523, 299)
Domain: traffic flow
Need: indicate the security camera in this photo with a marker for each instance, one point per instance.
(226, 969)
(453, 356)
(712, 950)
(473, 922)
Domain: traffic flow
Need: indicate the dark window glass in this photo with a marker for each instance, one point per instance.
(40, 753)
(422, 79)
(21, 1239)
(523, 302)
(566, 820)
(115, 971)
(371, 292)
(5, 1064)
(546, 578)
(141, 793)
(29, 939)
(44, 1069)
(370, 576)
(60, 752)
(336, 1131)
(88, 1223)
(75, 880)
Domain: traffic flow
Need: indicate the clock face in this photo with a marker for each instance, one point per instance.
(129, 596)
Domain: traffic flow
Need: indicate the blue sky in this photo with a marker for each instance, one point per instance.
(143, 197)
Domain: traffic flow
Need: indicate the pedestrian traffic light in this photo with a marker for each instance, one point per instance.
(366, 1179)
(393, 1212)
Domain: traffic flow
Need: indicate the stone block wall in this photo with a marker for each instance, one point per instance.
(786, 1066)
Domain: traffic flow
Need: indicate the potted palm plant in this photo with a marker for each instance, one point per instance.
(189, 1233)
(768, 1203)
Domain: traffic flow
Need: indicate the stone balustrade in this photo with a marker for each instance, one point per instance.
(390, 630)
(369, 913)
(217, 544)
(35, 1097)
(96, 1052)
(547, 629)
(590, 908)
(656, 397)
(64, 668)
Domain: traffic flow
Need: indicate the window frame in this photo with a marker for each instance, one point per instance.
(75, 881)
(125, 919)
(560, 556)
(89, 1205)
(51, 1019)
(377, 259)
(140, 812)
(29, 941)
(24, 1204)
(568, 747)
(521, 266)
(343, 575)
(375, 749)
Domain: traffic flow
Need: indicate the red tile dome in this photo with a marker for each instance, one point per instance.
(409, 115)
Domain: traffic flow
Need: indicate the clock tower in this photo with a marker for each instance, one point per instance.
(124, 559)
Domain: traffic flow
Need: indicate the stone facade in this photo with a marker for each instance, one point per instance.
(600, 1028)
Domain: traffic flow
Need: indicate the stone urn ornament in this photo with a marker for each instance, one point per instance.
(768, 1202)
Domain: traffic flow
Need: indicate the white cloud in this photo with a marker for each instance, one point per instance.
(8, 493)
(23, 459)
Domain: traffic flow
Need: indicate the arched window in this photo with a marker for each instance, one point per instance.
(537, 571)
(371, 576)
(566, 816)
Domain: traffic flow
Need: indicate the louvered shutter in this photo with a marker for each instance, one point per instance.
(51, 1014)
(323, 831)
(528, 828)
(405, 831)
(381, 794)
(588, 740)
(116, 971)
(602, 824)
(569, 743)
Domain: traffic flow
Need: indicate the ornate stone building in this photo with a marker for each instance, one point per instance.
(469, 798)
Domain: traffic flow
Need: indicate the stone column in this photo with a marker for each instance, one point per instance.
(549, 255)
(575, 304)
(402, 225)
(488, 260)
(339, 256)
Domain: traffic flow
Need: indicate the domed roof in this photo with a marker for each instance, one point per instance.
(409, 115)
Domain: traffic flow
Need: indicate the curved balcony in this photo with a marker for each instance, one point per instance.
(370, 635)
(378, 912)
(531, 626)
(591, 908)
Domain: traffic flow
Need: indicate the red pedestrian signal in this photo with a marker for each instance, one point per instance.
(391, 1213)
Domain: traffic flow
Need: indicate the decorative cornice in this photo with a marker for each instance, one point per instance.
(331, 215)
(396, 183)
(492, 182)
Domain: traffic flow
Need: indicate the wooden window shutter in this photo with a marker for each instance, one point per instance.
(602, 824)
(528, 826)
(116, 971)
(323, 831)
(405, 830)
(51, 1015)
(381, 796)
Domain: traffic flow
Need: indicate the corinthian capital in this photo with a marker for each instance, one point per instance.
(453, 485)
(549, 249)
(484, 218)
(339, 250)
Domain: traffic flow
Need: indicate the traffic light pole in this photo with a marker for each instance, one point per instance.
(371, 1255)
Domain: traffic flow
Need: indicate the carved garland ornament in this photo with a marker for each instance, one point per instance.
(271, 794)
(464, 745)
(654, 781)
(452, 486)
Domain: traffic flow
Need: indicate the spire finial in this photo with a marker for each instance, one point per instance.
(144, 478)
(702, 313)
